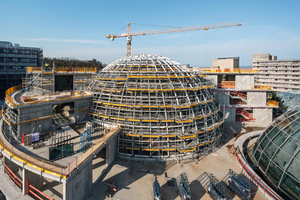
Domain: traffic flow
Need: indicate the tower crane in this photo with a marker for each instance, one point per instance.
(168, 30)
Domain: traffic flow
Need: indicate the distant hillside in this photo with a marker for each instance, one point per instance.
(72, 62)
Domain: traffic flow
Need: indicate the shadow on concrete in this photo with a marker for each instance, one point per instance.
(253, 187)
(53, 189)
(134, 170)
(197, 189)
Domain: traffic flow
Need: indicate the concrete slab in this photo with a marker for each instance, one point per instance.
(134, 179)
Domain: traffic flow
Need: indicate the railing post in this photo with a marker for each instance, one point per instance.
(27, 186)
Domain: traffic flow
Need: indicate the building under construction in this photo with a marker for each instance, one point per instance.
(142, 106)
(164, 110)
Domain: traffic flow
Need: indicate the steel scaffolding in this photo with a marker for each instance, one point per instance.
(163, 108)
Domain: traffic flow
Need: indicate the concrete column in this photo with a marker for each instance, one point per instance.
(111, 149)
(78, 185)
(24, 179)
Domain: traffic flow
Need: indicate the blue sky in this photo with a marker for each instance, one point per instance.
(78, 28)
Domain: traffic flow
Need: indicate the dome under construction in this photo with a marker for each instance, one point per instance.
(164, 109)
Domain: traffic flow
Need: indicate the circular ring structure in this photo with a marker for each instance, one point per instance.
(164, 109)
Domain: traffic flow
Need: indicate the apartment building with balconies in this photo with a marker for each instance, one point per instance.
(281, 75)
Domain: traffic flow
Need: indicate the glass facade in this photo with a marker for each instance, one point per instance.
(277, 154)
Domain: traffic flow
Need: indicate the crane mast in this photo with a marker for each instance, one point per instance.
(168, 30)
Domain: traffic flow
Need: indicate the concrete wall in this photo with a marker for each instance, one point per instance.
(34, 179)
(34, 112)
(257, 99)
(223, 98)
(227, 63)
(261, 57)
(230, 114)
(244, 82)
(80, 114)
(111, 150)
(79, 183)
(263, 117)
(11, 165)
(213, 79)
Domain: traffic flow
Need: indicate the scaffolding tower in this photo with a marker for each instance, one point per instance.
(163, 108)
(216, 189)
(183, 187)
(239, 185)
(39, 80)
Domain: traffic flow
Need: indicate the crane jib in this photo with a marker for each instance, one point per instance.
(168, 30)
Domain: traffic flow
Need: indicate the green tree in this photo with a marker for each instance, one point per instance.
(72, 62)
(281, 107)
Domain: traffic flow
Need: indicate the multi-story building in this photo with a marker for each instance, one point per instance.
(237, 94)
(13, 62)
(281, 75)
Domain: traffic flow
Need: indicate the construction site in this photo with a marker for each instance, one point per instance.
(67, 132)
(165, 111)
(62, 130)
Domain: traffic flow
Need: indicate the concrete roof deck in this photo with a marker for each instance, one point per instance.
(20, 97)
(43, 152)
(52, 169)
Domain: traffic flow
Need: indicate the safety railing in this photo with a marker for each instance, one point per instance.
(55, 168)
(239, 70)
(91, 150)
(32, 161)
(36, 193)
(34, 69)
(254, 178)
(11, 101)
(16, 179)
(63, 69)
(10, 91)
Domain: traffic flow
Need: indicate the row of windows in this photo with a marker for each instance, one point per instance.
(277, 62)
(18, 51)
(279, 75)
(279, 80)
(18, 60)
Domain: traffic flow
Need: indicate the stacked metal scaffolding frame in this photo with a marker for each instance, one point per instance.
(81, 83)
(183, 187)
(156, 190)
(216, 189)
(10, 123)
(37, 79)
(12, 120)
(163, 108)
(239, 185)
